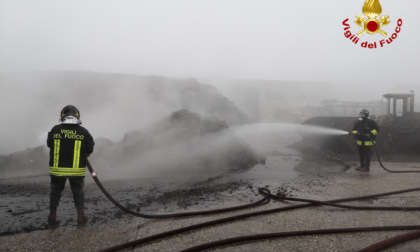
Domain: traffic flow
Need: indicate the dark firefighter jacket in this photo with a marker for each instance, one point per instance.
(70, 145)
(365, 127)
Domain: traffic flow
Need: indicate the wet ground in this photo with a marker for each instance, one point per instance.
(314, 175)
(25, 201)
(306, 172)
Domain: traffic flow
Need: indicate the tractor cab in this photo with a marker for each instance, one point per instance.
(407, 103)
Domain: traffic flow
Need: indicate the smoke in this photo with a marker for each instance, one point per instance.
(113, 104)
(165, 158)
(110, 104)
(132, 120)
(183, 144)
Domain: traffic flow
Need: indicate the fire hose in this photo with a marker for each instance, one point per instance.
(165, 216)
(267, 197)
(264, 200)
(379, 159)
(372, 248)
(383, 167)
(392, 241)
(151, 238)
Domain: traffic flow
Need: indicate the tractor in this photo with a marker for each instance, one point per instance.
(399, 127)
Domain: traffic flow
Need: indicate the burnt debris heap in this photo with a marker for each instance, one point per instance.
(181, 126)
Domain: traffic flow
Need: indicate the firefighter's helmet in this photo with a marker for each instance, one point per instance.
(364, 113)
(70, 114)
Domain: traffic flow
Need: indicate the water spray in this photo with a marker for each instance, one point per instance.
(286, 127)
(321, 130)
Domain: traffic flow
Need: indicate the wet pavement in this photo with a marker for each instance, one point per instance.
(319, 176)
(25, 201)
(109, 226)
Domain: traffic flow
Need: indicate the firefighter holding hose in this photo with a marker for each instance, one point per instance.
(365, 131)
(70, 144)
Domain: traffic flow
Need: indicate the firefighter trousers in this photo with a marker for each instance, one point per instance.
(57, 187)
(364, 154)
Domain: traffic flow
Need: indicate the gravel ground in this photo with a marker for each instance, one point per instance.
(319, 180)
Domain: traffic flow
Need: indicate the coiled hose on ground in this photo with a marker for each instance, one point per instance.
(372, 248)
(145, 240)
(265, 199)
(165, 216)
(267, 196)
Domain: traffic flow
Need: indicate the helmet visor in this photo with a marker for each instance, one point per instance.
(363, 114)
(70, 120)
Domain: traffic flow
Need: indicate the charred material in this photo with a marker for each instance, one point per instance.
(182, 143)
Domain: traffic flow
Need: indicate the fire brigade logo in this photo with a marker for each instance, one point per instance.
(372, 9)
(372, 25)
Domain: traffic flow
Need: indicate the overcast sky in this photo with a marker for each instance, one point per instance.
(256, 39)
(203, 39)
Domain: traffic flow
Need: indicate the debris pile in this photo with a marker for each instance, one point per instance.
(182, 143)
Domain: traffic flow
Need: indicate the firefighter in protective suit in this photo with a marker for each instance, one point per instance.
(365, 131)
(70, 144)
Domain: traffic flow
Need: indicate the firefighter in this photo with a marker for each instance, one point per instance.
(365, 131)
(70, 144)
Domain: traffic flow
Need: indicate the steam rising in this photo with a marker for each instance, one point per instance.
(183, 143)
(143, 126)
(110, 104)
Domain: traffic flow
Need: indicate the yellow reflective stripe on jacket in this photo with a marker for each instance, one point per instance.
(76, 155)
(374, 132)
(367, 143)
(354, 131)
(56, 152)
(67, 171)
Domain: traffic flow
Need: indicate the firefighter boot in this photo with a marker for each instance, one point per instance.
(82, 218)
(367, 167)
(52, 218)
(364, 168)
(360, 168)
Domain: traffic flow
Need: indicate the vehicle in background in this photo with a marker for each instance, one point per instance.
(399, 124)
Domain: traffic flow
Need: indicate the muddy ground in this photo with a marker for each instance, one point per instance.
(24, 204)
(25, 201)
